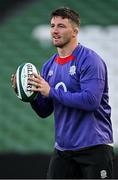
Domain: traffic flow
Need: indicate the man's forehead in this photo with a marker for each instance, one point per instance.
(59, 19)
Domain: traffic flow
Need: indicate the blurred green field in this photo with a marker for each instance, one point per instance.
(21, 129)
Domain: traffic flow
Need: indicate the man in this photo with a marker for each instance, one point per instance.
(74, 85)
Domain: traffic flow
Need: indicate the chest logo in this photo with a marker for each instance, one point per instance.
(50, 73)
(62, 85)
(72, 70)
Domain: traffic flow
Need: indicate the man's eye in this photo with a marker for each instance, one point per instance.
(52, 26)
(61, 25)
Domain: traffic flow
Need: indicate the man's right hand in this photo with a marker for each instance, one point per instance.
(13, 81)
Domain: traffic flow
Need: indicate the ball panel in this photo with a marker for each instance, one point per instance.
(24, 71)
(18, 83)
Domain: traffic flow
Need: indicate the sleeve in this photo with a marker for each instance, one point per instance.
(92, 82)
(43, 106)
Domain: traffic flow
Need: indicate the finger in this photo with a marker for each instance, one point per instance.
(35, 89)
(35, 84)
(12, 76)
(13, 79)
(38, 76)
(32, 78)
(33, 81)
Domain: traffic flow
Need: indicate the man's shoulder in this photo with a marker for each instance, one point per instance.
(49, 61)
(81, 52)
(46, 66)
(90, 53)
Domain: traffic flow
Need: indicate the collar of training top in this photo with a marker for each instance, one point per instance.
(64, 60)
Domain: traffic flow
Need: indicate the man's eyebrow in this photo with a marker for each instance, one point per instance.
(58, 24)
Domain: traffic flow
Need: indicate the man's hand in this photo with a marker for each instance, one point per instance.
(13, 81)
(39, 85)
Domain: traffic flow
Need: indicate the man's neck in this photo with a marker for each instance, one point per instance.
(67, 50)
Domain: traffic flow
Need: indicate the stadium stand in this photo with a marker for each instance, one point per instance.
(21, 130)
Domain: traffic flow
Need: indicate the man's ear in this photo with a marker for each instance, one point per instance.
(76, 31)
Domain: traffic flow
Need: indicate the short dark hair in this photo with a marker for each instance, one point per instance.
(66, 12)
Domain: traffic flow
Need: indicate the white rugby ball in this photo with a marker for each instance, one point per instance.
(24, 92)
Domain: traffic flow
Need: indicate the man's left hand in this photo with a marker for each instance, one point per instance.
(39, 84)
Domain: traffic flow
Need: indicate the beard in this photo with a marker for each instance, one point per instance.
(62, 44)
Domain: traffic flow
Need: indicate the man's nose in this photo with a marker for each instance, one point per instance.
(55, 30)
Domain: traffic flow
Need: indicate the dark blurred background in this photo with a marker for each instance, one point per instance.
(26, 141)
